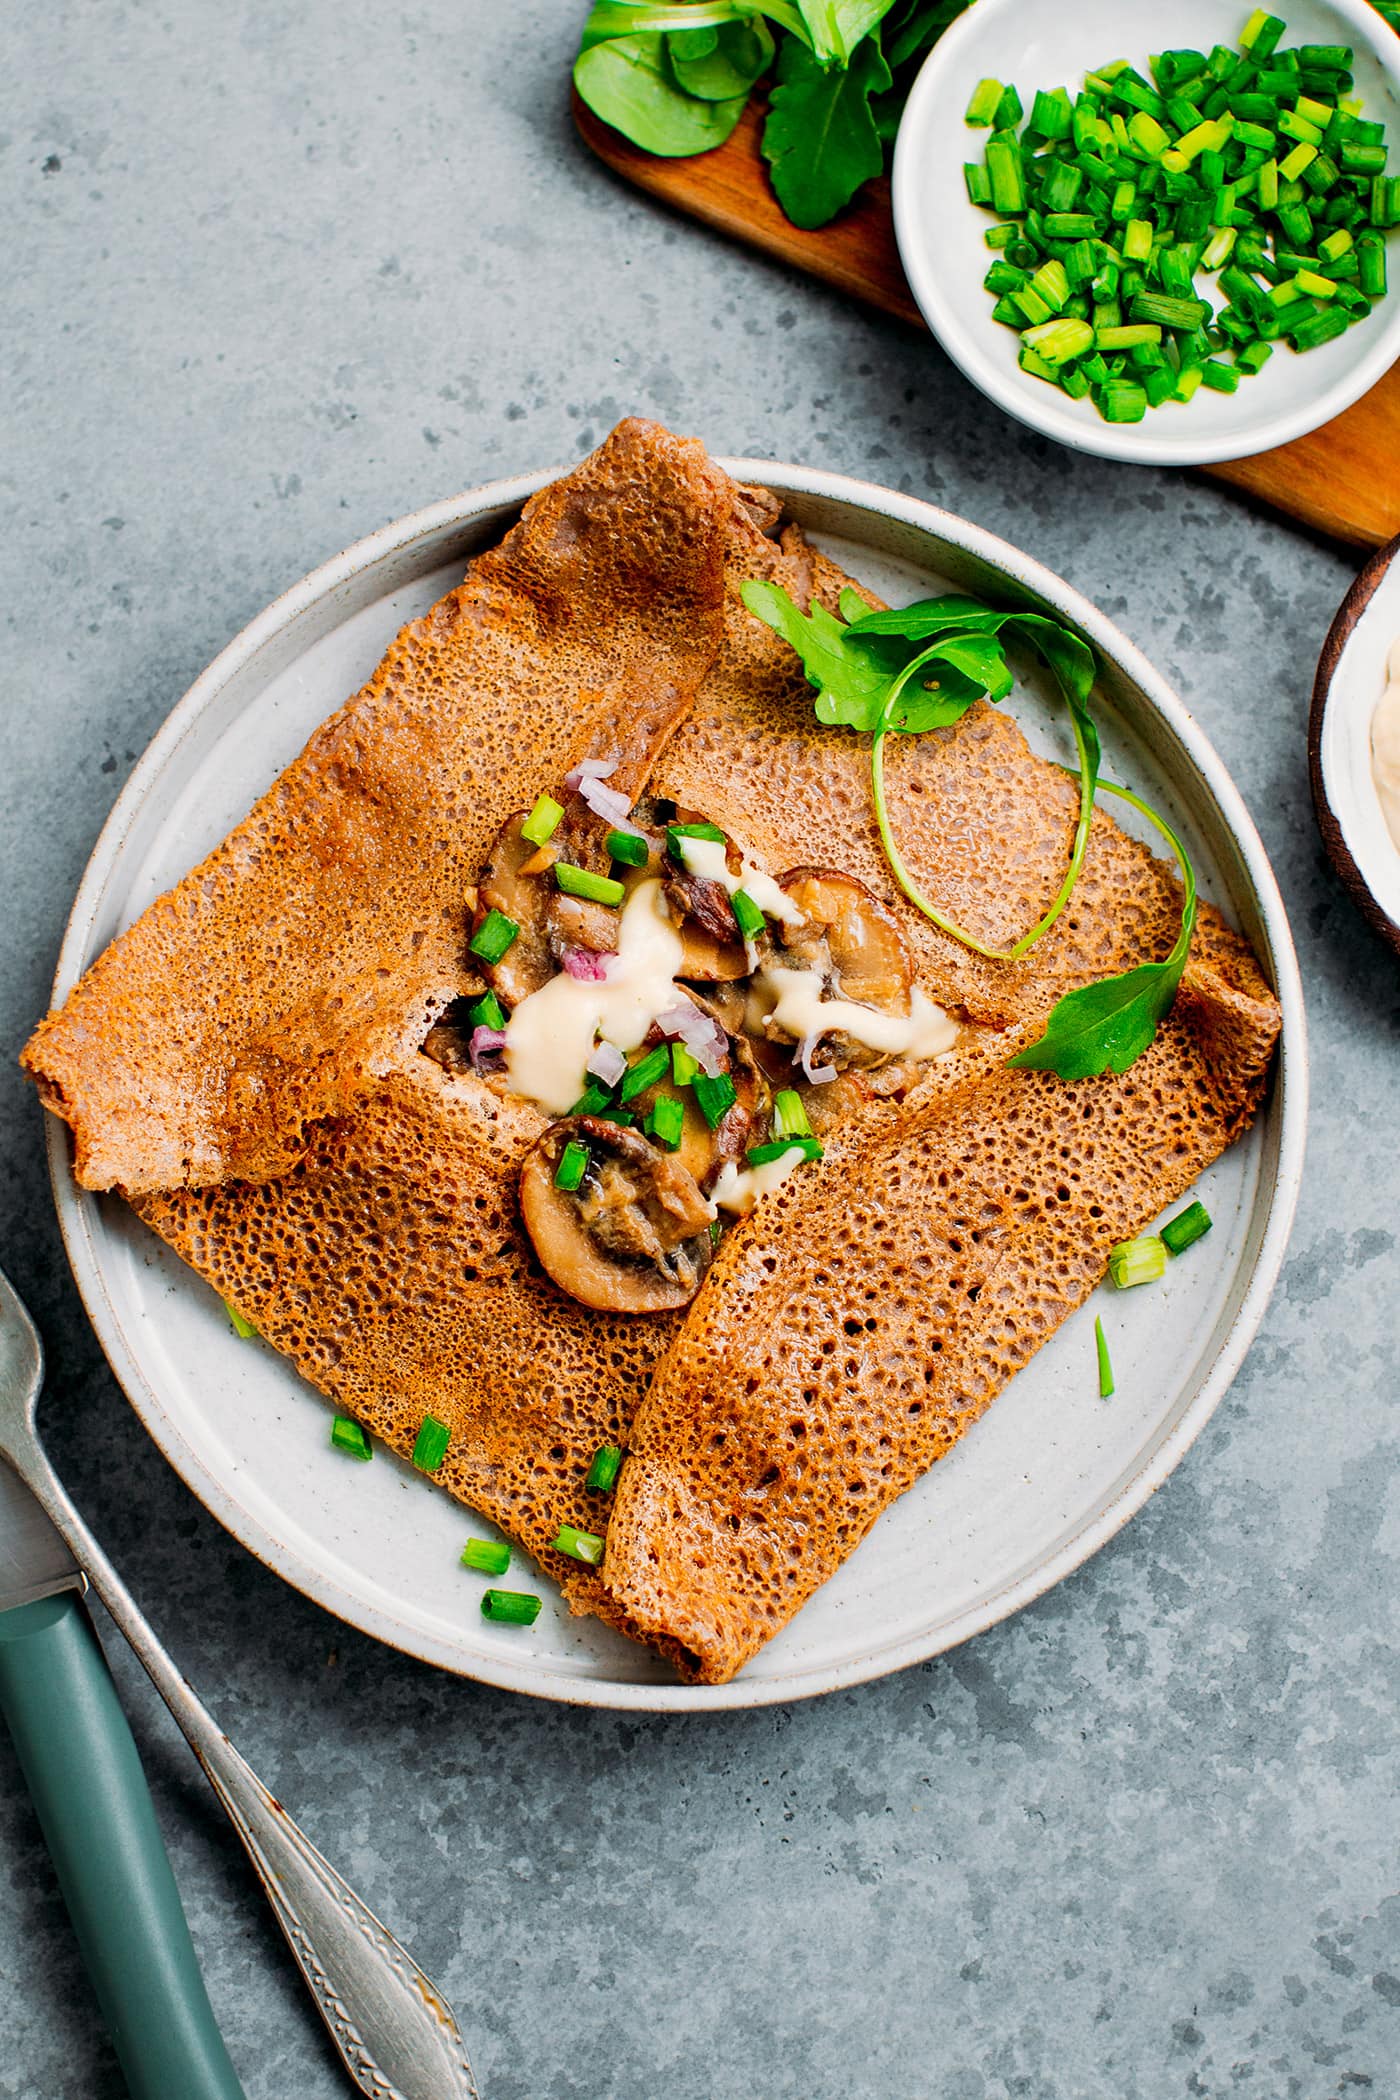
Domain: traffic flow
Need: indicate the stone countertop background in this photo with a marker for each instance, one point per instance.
(276, 275)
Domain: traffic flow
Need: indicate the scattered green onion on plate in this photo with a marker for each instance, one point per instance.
(510, 1607)
(486, 1556)
(1137, 1261)
(347, 1436)
(602, 1474)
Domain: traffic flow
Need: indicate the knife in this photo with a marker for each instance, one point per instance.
(94, 1807)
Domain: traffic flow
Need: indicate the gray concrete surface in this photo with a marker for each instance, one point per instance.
(275, 275)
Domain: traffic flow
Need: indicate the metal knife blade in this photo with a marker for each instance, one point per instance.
(35, 1559)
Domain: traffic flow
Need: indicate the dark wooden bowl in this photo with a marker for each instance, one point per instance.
(1349, 613)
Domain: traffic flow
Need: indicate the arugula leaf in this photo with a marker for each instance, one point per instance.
(718, 63)
(851, 685)
(820, 139)
(880, 696)
(837, 26)
(1106, 1026)
(628, 82)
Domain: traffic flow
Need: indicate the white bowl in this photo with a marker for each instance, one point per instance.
(1046, 44)
(1351, 676)
(1045, 1479)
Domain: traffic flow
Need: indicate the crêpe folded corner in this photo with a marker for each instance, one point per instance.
(303, 959)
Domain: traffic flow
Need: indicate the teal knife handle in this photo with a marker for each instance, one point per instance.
(94, 1807)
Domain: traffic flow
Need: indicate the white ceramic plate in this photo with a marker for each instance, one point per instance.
(1041, 1483)
(1351, 676)
(1045, 43)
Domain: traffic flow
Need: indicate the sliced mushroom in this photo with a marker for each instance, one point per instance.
(854, 943)
(713, 950)
(634, 1236)
(524, 899)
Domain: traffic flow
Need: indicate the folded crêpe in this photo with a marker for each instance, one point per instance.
(245, 1065)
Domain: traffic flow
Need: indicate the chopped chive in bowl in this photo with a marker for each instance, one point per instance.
(1249, 172)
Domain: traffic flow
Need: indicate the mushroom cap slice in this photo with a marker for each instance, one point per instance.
(634, 1236)
(868, 958)
(524, 899)
(852, 942)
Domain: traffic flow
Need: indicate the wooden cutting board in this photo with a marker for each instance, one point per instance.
(1344, 479)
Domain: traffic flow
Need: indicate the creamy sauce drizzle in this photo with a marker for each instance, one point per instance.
(550, 1035)
(1385, 745)
(794, 1003)
(739, 1188)
(706, 857)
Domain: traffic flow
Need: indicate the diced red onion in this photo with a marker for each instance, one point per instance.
(589, 769)
(819, 1075)
(487, 1049)
(605, 802)
(586, 964)
(608, 1063)
(702, 1035)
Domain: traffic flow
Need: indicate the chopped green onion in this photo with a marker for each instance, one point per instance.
(1220, 378)
(1261, 32)
(715, 1094)
(493, 936)
(593, 1100)
(623, 1117)
(573, 1165)
(683, 1064)
(983, 105)
(1122, 402)
(486, 1556)
(244, 1329)
(1105, 1362)
(1137, 1261)
(543, 821)
(1167, 312)
(1008, 111)
(655, 1065)
(1127, 337)
(751, 920)
(510, 1607)
(348, 1436)
(1005, 172)
(1060, 341)
(487, 1012)
(1186, 1228)
(602, 1474)
(579, 1545)
(666, 1121)
(789, 1115)
(430, 1446)
(582, 882)
(675, 833)
(979, 186)
(629, 847)
(760, 1155)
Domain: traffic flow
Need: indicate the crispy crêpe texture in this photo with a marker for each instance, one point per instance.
(245, 1063)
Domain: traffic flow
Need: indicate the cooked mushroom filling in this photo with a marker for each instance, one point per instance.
(668, 1002)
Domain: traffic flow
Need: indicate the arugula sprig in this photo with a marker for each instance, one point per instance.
(958, 655)
(674, 76)
(923, 667)
(1106, 1026)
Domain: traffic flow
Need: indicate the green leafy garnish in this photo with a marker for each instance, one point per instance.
(723, 61)
(820, 140)
(628, 81)
(674, 76)
(922, 668)
(1105, 1027)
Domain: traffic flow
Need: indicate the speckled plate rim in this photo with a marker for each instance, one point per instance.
(78, 1208)
(1331, 822)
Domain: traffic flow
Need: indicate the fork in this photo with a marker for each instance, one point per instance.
(395, 2032)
